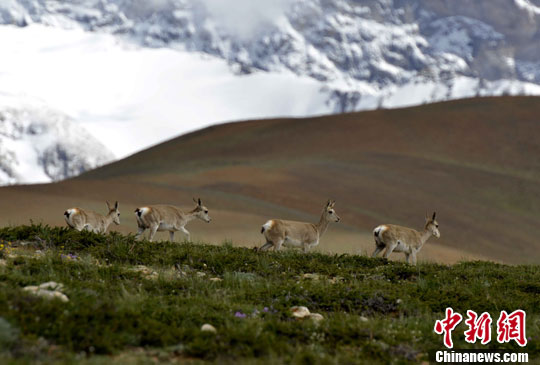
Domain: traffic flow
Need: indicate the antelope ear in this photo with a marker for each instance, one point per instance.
(108, 205)
(333, 203)
(434, 213)
(199, 202)
(195, 201)
(116, 205)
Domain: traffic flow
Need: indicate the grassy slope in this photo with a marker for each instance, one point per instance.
(474, 161)
(115, 313)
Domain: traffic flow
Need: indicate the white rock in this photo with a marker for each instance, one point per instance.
(51, 285)
(146, 271)
(300, 311)
(61, 296)
(46, 293)
(316, 317)
(31, 288)
(208, 328)
(311, 276)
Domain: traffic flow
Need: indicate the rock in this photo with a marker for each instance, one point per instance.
(364, 319)
(146, 271)
(311, 276)
(31, 288)
(216, 279)
(48, 290)
(208, 328)
(51, 285)
(3, 262)
(335, 280)
(316, 317)
(61, 296)
(300, 312)
(201, 274)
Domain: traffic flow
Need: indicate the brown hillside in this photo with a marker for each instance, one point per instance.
(476, 161)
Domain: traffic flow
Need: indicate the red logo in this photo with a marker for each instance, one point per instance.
(479, 327)
(447, 325)
(509, 327)
(512, 327)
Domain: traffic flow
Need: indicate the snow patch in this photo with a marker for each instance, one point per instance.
(527, 5)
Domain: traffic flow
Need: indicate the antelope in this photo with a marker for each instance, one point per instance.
(403, 239)
(297, 234)
(168, 218)
(80, 219)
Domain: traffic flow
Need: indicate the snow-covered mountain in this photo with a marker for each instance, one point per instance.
(360, 49)
(38, 144)
(311, 56)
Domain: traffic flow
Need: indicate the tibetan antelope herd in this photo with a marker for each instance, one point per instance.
(277, 232)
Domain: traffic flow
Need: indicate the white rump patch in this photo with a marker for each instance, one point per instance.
(380, 229)
(377, 232)
(268, 225)
(143, 210)
(69, 217)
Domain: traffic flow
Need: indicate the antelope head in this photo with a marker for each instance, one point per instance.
(432, 225)
(330, 212)
(201, 211)
(114, 212)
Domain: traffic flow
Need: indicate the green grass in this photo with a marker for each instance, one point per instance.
(116, 313)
